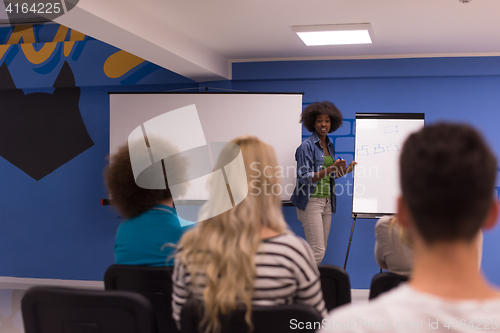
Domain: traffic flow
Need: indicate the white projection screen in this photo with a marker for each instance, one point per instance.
(379, 138)
(272, 117)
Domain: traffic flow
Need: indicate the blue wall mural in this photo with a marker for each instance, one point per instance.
(54, 129)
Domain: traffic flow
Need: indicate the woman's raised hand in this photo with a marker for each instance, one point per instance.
(350, 167)
(338, 167)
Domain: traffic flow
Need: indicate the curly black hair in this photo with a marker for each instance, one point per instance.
(308, 117)
(130, 199)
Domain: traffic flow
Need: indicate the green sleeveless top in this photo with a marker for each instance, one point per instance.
(322, 190)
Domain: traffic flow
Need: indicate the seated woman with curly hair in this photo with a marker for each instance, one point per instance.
(246, 255)
(152, 225)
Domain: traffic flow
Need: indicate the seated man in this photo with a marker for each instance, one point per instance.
(447, 181)
(393, 250)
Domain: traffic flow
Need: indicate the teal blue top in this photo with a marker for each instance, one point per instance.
(144, 240)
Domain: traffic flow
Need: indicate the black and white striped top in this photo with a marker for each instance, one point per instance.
(286, 274)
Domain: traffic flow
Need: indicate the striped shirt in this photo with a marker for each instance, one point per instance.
(286, 274)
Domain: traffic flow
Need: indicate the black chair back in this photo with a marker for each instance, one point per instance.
(155, 283)
(336, 286)
(383, 282)
(266, 319)
(66, 310)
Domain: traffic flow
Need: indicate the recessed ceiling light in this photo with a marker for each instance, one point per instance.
(335, 34)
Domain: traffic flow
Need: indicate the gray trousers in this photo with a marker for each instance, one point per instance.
(316, 220)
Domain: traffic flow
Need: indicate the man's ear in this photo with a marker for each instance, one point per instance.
(492, 217)
(404, 216)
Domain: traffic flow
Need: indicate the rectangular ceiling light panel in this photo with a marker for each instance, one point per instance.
(335, 34)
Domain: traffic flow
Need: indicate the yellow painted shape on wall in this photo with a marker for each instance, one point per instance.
(28, 36)
(74, 37)
(68, 46)
(23, 32)
(61, 34)
(3, 49)
(120, 63)
(37, 57)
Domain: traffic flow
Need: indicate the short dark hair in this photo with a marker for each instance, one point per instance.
(130, 199)
(308, 117)
(447, 180)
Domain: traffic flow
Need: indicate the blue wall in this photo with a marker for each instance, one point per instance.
(55, 227)
(454, 89)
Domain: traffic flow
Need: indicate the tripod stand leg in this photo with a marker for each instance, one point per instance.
(350, 239)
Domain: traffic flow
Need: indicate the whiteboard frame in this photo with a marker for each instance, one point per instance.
(388, 116)
(284, 198)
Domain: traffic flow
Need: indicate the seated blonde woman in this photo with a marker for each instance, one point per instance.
(246, 255)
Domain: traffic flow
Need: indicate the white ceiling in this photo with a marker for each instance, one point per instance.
(199, 39)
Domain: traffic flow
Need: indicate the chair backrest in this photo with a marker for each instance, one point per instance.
(383, 282)
(336, 286)
(266, 319)
(66, 310)
(155, 283)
